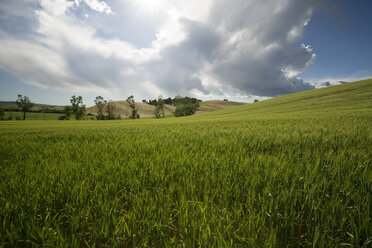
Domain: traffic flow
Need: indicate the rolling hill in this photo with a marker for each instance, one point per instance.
(145, 110)
(213, 105)
(122, 108)
(350, 98)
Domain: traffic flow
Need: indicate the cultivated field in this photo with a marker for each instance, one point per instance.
(122, 108)
(294, 171)
(209, 106)
(32, 116)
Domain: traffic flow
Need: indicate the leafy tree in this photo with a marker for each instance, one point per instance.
(110, 108)
(2, 113)
(100, 103)
(177, 100)
(185, 109)
(168, 101)
(185, 105)
(78, 108)
(159, 107)
(25, 104)
(256, 100)
(68, 112)
(132, 105)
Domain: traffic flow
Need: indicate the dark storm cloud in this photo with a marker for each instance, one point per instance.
(263, 58)
(178, 68)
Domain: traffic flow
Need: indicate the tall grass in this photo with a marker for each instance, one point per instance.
(294, 171)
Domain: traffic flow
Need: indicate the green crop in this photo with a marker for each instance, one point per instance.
(32, 116)
(293, 171)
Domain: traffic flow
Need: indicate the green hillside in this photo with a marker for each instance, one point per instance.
(349, 98)
(209, 106)
(292, 171)
(32, 116)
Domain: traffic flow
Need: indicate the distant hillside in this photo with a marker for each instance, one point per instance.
(13, 103)
(346, 98)
(122, 108)
(38, 107)
(7, 103)
(213, 105)
(146, 110)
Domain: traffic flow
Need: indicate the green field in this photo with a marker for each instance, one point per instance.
(293, 171)
(32, 116)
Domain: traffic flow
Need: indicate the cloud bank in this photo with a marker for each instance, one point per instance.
(168, 47)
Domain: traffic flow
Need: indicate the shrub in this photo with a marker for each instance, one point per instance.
(185, 109)
(2, 114)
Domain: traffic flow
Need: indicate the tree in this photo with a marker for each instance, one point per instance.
(185, 109)
(2, 113)
(78, 108)
(25, 104)
(168, 101)
(185, 105)
(110, 108)
(256, 100)
(100, 103)
(68, 112)
(177, 100)
(132, 105)
(159, 107)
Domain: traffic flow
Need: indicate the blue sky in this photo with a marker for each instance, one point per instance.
(341, 37)
(242, 50)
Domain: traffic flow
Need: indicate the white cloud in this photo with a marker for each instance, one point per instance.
(329, 81)
(99, 6)
(202, 48)
(56, 7)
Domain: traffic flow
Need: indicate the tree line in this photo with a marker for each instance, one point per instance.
(106, 109)
(184, 105)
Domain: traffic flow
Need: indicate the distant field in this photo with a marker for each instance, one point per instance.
(145, 110)
(32, 116)
(292, 171)
(122, 108)
(209, 106)
(36, 107)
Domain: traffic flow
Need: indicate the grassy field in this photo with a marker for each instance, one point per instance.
(293, 171)
(32, 116)
(209, 106)
(37, 107)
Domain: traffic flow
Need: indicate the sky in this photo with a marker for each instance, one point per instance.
(212, 49)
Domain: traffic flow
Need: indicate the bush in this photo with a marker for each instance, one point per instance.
(18, 118)
(62, 117)
(2, 114)
(185, 109)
